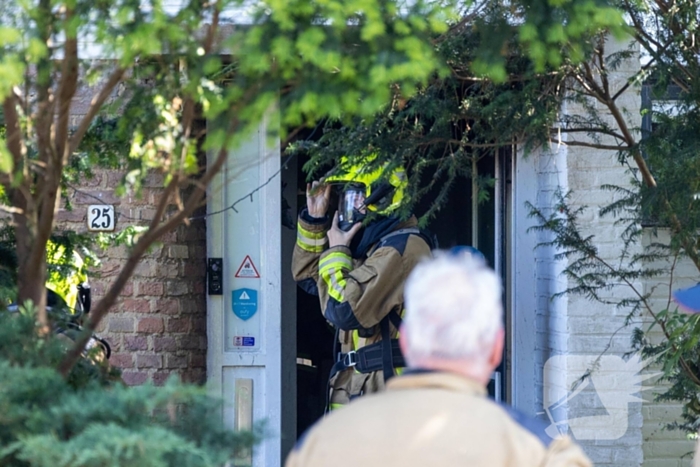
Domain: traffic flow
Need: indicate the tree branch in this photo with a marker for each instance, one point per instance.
(95, 106)
(142, 245)
(606, 147)
(684, 364)
(14, 139)
(601, 131)
(156, 229)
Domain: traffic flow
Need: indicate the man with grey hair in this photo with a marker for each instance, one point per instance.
(437, 412)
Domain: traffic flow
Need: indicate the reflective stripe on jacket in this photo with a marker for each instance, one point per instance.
(355, 294)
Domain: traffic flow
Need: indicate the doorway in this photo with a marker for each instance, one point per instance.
(462, 220)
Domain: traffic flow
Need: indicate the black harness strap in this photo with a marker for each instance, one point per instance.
(395, 318)
(387, 357)
(384, 355)
(336, 351)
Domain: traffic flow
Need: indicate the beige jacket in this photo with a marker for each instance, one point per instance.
(431, 419)
(355, 294)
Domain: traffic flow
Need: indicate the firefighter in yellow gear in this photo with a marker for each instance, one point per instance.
(358, 269)
(66, 276)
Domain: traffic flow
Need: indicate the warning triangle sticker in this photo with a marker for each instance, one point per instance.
(244, 296)
(247, 269)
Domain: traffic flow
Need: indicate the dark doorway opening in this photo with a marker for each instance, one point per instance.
(460, 221)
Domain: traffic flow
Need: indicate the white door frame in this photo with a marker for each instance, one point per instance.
(246, 372)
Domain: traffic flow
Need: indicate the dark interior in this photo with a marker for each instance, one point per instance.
(452, 226)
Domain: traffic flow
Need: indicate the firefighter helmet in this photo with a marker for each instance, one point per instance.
(366, 186)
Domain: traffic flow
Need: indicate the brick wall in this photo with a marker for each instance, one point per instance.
(596, 328)
(158, 326)
(663, 447)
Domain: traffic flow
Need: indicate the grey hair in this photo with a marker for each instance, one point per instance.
(453, 309)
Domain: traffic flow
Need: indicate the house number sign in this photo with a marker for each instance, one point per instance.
(100, 218)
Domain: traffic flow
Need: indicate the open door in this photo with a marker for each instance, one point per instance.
(462, 220)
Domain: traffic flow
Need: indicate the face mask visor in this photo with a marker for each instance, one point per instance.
(351, 207)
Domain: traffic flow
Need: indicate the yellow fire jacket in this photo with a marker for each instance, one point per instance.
(432, 418)
(355, 293)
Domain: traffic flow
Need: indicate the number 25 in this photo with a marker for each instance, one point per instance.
(106, 218)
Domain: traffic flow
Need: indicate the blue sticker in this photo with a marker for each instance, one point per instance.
(244, 341)
(245, 303)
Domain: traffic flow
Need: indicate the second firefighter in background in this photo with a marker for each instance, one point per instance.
(357, 264)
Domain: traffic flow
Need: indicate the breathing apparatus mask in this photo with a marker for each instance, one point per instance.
(351, 206)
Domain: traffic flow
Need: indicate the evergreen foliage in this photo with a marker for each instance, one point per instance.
(91, 419)
(454, 121)
(659, 209)
(457, 119)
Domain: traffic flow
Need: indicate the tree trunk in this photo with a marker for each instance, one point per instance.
(31, 273)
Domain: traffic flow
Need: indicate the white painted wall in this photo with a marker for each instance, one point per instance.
(571, 326)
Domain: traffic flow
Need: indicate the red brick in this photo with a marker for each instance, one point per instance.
(151, 325)
(170, 270)
(97, 288)
(198, 287)
(145, 214)
(177, 287)
(122, 360)
(195, 376)
(178, 324)
(110, 268)
(198, 251)
(193, 306)
(150, 288)
(141, 199)
(145, 268)
(189, 342)
(149, 361)
(128, 290)
(134, 378)
(199, 324)
(121, 324)
(114, 177)
(95, 197)
(198, 361)
(136, 305)
(168, 344)
(194, 269)
(166, 306)
(135, 343)
(71, 216)
(160, 377)
(120, 252)
(175, 361)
